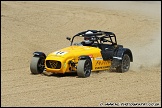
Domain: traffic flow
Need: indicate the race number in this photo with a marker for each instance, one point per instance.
(60, 53)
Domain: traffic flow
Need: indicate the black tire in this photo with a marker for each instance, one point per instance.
(84, 68)
(125, 64)
(37, 65)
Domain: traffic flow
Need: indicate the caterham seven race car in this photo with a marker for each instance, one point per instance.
(90, 50)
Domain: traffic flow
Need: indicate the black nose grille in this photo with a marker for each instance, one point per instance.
(53, 64)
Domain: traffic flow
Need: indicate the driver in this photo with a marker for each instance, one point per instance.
(87, 39)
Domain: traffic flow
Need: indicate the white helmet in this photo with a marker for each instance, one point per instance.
(87, 39)
(89, 32)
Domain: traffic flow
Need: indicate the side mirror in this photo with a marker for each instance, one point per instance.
(68, 38)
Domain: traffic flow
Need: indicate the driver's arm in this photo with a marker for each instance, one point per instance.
(83, 43)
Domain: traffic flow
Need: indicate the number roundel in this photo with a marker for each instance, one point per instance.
(60, 53)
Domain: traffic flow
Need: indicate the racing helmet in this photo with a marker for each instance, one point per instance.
(87, 39)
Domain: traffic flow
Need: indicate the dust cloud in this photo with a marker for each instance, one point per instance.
(148, 55)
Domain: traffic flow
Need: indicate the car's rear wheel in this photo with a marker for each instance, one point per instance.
(84, 68)
(37, 65)
(125, 64)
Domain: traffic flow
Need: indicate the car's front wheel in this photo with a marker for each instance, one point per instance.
(125, 64)
(37, 65)
(84, 68)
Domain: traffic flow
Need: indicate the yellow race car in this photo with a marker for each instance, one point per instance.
(90, 50)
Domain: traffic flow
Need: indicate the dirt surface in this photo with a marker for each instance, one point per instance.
(43, 26)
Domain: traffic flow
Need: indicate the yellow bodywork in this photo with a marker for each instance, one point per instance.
(72, 53)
